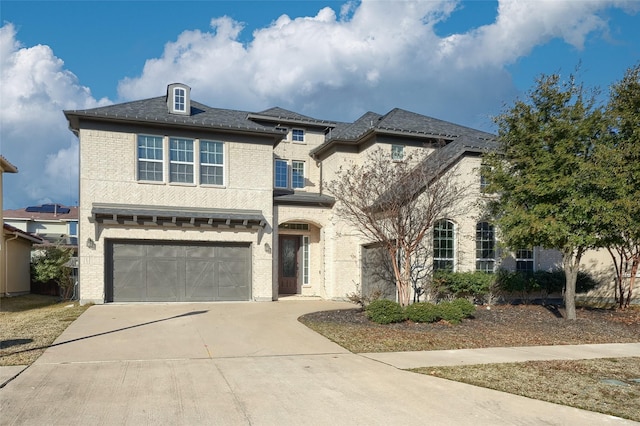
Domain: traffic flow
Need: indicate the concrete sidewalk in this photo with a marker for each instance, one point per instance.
(457, 357)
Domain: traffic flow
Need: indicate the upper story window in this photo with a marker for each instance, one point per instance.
(397, 152)
(181, 160)
(297, 135)
(211, 163)
(484, 180)
(73, 228)
(289, 174)
(524, 260)
(150, 158)
(443, 246)
(281, 179)
(297, 174)
(179, 99)
(485, 247)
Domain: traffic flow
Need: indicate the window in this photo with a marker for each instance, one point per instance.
(181, 160)
(524, 260)
(397, 152)
(211, 163)
(443, 245)
(150, 159)
(179, 99)
(305, 260)
(484, 181)
(73, 228)
(485, 247)
(297, 174)
(282, 174)
(297, 135)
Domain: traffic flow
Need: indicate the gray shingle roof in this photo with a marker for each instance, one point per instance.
(281, 115)
(154, 110)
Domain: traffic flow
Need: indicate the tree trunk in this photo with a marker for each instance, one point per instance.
(632, 279)
(571, 264)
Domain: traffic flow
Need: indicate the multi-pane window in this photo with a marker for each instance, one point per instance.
(297, 135)
(485, 247)
(297, 174)
(443, 245)
(180, 160)
(484, 180)
(397, 152)
(150, 159)
(179, 99)
(305, 260)
(281, 179)
(524, 260)
(211, 163)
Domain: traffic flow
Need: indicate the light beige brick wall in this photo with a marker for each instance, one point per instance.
(289, 150)
(108, 175)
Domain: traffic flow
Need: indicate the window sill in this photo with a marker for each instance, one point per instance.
(210, 185)
(151, 182)
(185, 184)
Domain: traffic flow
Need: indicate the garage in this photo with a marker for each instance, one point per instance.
(157, 271)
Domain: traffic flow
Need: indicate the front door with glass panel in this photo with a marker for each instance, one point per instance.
(288, 268)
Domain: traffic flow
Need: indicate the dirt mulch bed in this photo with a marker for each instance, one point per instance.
(494, 326)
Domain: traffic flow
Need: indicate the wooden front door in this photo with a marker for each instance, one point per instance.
(288, 264)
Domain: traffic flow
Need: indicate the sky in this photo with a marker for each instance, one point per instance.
(460, 61)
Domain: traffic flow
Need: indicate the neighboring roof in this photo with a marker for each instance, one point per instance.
(172, 215)
(154, 111)
(22, 234)
(281, 115)
(43, 212)
(6, 166)
(403, 123)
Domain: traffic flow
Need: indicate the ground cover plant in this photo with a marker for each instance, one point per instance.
(573, 383)
(29, 324)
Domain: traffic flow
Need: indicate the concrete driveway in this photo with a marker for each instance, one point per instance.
(241, 364)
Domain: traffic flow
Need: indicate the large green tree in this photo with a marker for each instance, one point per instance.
(617, 171)
(541, 173)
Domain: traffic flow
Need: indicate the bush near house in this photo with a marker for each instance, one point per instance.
(484, 288)
(387, 311)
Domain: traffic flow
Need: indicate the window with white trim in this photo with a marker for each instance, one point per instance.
(211, 163)
(297, 174)
(484, 180)
(443, 245)
(297, 135)
(524, 260)
(305, 259)
(485, 247)
(150, 158)
(181, 160)
(179, 99)
(397, 152)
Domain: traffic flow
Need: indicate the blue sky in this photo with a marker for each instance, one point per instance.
(457, 61)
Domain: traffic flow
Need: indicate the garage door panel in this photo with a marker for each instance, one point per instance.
(162, 280)
(200, 283)
(154, 272)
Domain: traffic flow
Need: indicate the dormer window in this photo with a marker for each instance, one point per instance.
(179, 102)
(178, 99)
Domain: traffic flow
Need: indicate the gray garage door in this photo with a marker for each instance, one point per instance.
(161, 272)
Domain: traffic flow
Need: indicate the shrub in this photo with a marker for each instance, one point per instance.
(465, 306)
(384, 311)
(477, 285)
(422, 312)
(451, 312)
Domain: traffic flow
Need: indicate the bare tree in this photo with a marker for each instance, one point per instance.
(395, 204)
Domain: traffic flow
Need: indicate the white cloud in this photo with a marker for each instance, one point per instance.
(376, 55)
(34, 89)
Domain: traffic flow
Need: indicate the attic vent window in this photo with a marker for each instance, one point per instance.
(179, 99)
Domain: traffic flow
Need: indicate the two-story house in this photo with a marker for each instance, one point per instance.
(180, 201)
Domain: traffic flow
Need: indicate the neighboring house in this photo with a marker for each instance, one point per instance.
(183, 202)
(15, 249)
(55, 223)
